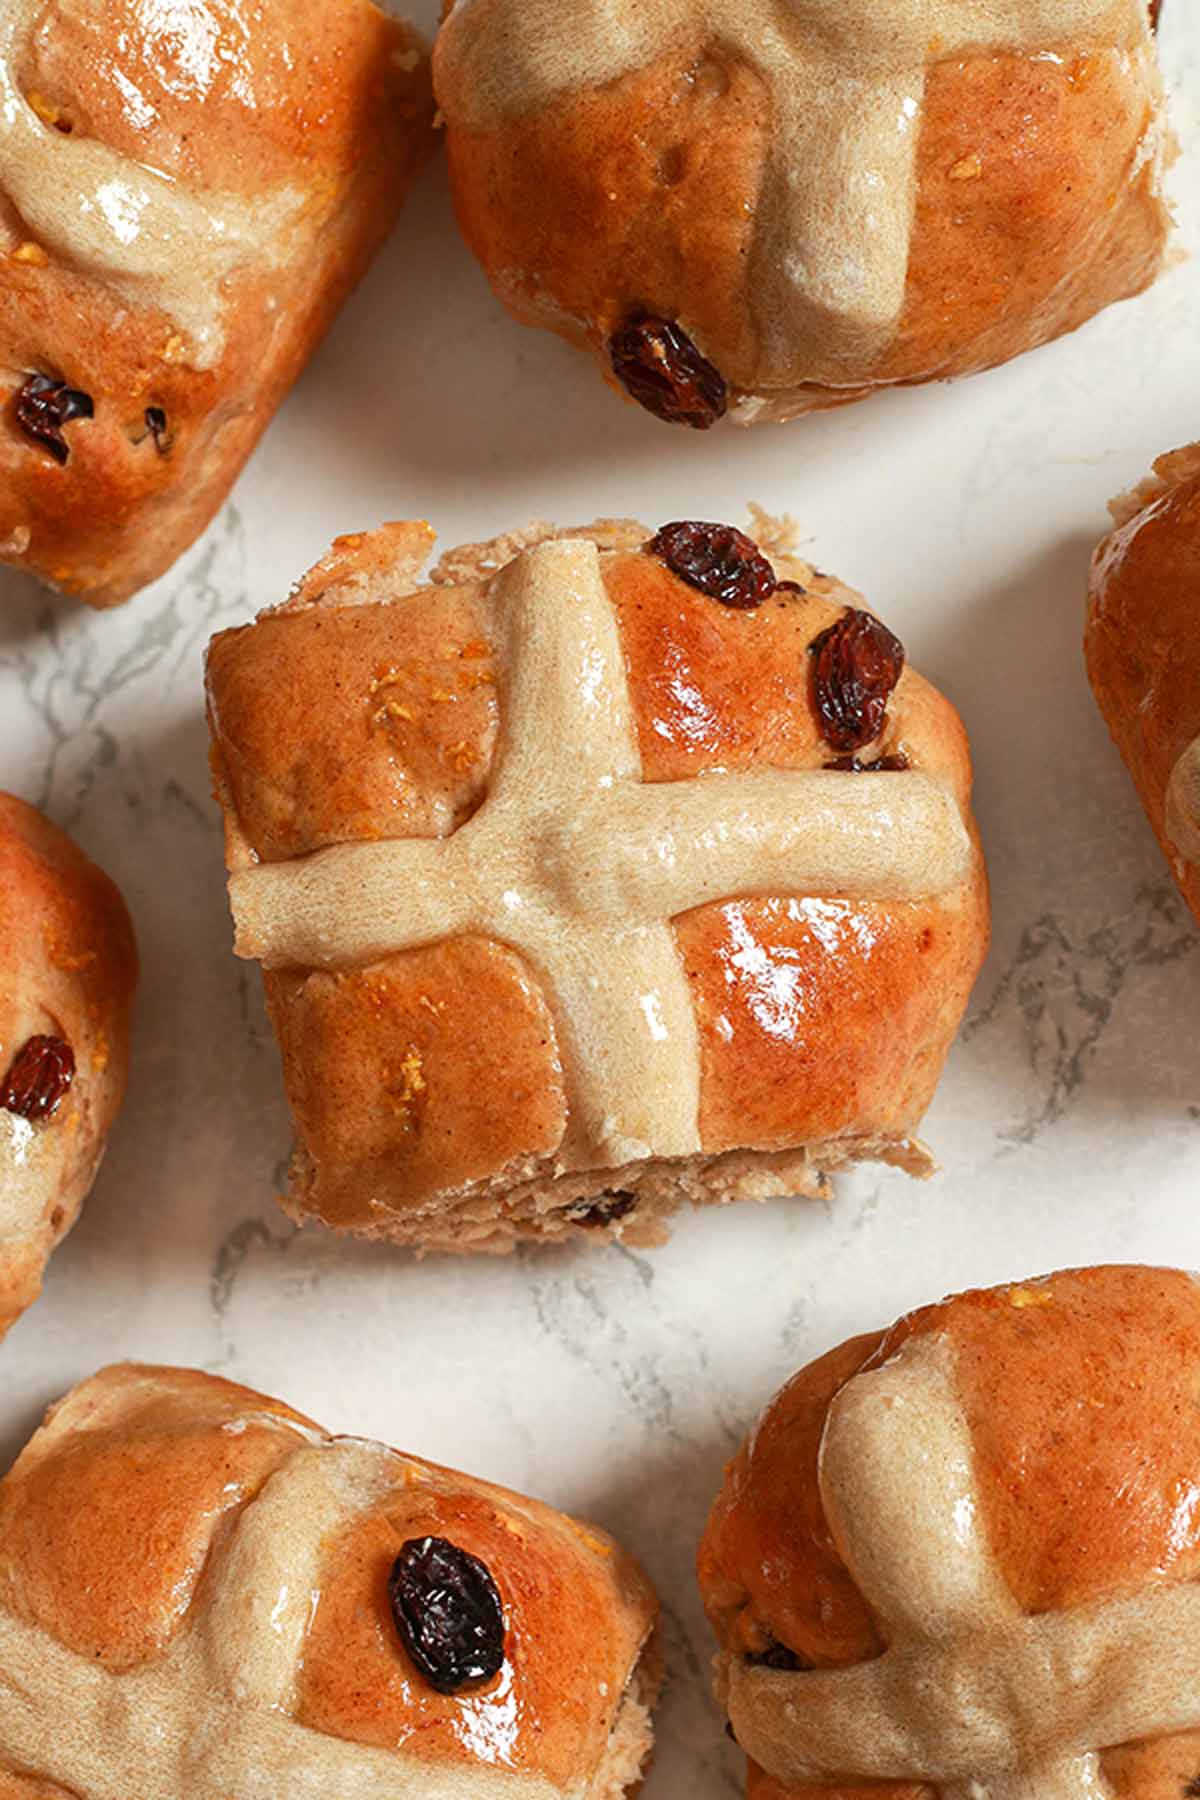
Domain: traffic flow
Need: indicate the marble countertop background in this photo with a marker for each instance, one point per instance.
(616, 1383)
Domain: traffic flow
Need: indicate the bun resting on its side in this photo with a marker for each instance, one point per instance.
(962, 1555)
(187, 195)
(1143, 652)
(67, 975)
(599, 873)
(768, 209)
(205, 1597)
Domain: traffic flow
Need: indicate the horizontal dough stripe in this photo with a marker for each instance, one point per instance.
(578, 864)
(160, 1734)
(972, 1692)
(682, 844)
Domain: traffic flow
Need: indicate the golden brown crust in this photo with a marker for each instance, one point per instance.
(824, 1019)
(396, 1082)
(1141, 639)
(822, 1022)
(411, 737)
(122, 1519)
(326, 103)
(564, 1585)
(1037, 205)
(143, 1459)
(1078, 1395)
(69, 972)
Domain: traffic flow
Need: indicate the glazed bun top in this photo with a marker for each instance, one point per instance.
(68, 967)
(1143, 651)
(820, 195)
(203, 1595)
(990, 1513)
(730, 726)
(104, 156)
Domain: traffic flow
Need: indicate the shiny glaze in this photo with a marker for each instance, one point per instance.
(395, 1080)
(409, 750)
(791, 994)
(151, 236)
(69, 968)
(358, 1681)
(143, 1474)
(803, 1006)
(283, 1660)
(714, 688)
(1089, 1472)
(1078, 1393)
(188, 191)
(580, 864)
(1141, 651)
(768, 1566)
(844, 92)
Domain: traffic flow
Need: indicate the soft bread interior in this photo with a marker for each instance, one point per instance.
(533, 1201)
(626, 1758)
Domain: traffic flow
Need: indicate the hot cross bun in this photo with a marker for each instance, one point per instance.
(187, 195)
(600, 872)
(67, 975)
(960, 1556)
(763, 207)
(1142, 654)
(205, 1597)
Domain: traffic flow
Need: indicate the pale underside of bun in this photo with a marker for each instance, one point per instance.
(532, 1200)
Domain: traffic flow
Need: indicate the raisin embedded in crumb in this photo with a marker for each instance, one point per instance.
(41, 1072)
(44, 406)
(605, 1211)
(789, 587)
(448, 1613)
(882, 765)
(1155, 10)
(156, 425)
(776, 1656)
(856, 664)
(719, 560)
(660, 367)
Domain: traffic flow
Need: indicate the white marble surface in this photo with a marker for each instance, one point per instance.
(1068, 1124)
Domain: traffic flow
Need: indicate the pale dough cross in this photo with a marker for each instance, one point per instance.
(972, 1694)
(580, 865)
(209, 1719)
(847, 84)
(153, 238)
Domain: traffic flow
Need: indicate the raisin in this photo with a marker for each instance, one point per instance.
(44, 406)
(856, 664)
(156, 425)
(719, 560)
(660, 367)
(1155, 10)
(789, 587)
(881, 765)
(41, 1072)
(776, 1656)
(448, 1613)
(605, 1211)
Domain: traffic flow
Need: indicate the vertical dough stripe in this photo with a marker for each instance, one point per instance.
(580, 866)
